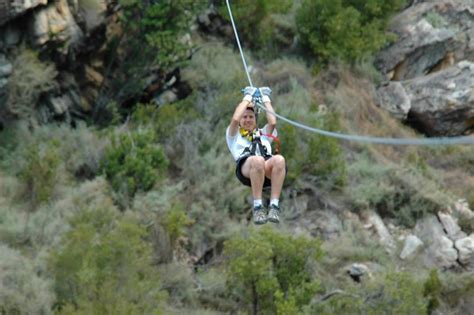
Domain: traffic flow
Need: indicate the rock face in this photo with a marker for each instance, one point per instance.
(412, 243)
(439, 251)
(465, 246)
(431, 69)
(55, 22)
(12, 9)
(431, 36)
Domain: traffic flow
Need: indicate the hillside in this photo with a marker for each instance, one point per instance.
(118, 193)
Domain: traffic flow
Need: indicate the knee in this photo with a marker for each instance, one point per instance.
(280, 162)
(257, 163)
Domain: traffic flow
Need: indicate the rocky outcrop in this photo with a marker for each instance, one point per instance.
(431, 36)
(429, 68)
(441, 103)
(55, 23)
(411, 245)
(9, 10)
(439, 251)
(465, 246)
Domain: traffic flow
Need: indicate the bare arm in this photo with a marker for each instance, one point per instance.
(239, 111)
(271, 119)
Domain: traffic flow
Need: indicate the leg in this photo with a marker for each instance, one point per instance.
(254, 168)
(275, 169)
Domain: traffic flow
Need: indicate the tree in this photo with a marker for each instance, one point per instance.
(344, 29)
(271, 271)
(104, 266)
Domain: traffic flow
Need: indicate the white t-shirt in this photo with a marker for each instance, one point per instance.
(237, 144)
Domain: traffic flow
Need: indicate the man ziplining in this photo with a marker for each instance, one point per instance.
(252, 151)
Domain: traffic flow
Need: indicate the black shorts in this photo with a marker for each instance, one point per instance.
(245, 180)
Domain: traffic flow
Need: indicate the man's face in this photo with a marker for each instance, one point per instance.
(248, 121)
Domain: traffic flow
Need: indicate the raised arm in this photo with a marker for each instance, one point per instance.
(271, 119)
(240, 110)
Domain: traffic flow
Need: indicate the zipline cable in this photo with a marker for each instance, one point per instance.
(367, 139)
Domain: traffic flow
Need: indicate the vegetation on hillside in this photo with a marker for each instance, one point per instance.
(143, 215)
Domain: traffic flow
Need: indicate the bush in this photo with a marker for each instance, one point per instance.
(403, 193)
(270, 271)
(103, 266)
(432, 290)
(134, 162)
(153, 43)
(174, 221)
(314, 156)
(22, 291)
(395, 293)
(256, 22)
(344, 29)
(30, 78)
(40, 172)
(325, 157)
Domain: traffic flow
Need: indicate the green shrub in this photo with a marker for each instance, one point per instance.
(344, 29)
(22, 290)
(178, 280)
(325, 157)
(30, 78)
(432, 290)
(466, 224)
(354, 244)
(395, 293)
(80, 149)
(271, 271)
(134, 162)
(457, 288)
(165, 119)
(314, 156)
(40, 172)
(403, 193)
(254, 19)
(103, 266)
(222, 76)
(436, 20)
(175, 220)
(152, 43)
(48, 224)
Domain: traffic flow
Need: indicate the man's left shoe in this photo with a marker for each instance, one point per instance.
(274, 214)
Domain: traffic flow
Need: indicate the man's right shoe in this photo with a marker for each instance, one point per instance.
(259, 215)
(274, 214)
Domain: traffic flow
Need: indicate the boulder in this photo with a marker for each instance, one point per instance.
(442, 103)
(438, 104)
(411, 246)
(465, 246)
(450, 226)
(431, 36)
(440, 251)
(393, 97)
(10, 9)
(55, 23)
(375, 223)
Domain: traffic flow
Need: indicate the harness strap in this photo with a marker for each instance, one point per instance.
(277, 141)
(251, 150)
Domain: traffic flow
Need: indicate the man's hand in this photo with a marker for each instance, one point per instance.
(249, 91)
(265, 91)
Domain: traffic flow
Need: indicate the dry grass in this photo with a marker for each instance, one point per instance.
(354, 98)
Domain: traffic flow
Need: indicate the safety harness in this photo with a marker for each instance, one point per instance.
(255, 141)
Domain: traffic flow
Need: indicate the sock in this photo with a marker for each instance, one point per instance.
(274, 202)
(257, 202)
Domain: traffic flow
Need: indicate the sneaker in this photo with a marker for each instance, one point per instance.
(259, 215)
(274, 214)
